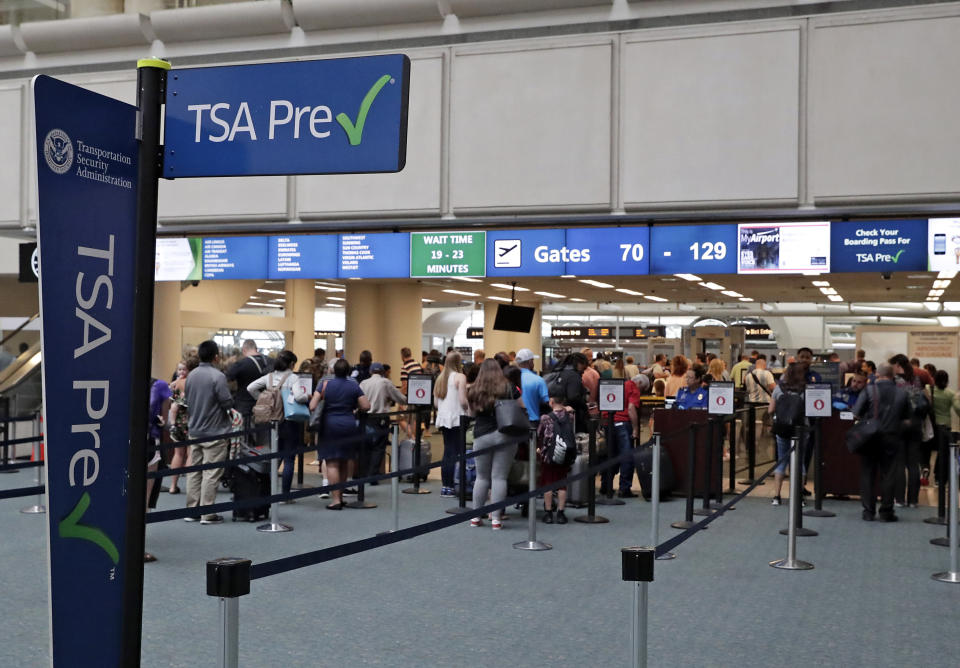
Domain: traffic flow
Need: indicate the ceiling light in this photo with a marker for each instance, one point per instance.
(812, 273)
(466, 279)
(949, 321)
(550, 294)
(936, 293)
(951, 306)
(334, 305)
(461, 292)
(264, 305)
(499, 299)
(272, 292)
(746, 299)
(568, 276)
(336, 299)
(835, 298)
(866, 307)
(577, 299)
(329, 289)
(940, 285)
(654, 298)
(713, 286)
(629, 292)
(280, 301)
(828, 291)
(354, 278)
(933, 299)
(933, 305)
(596, 284)
(731, 293)
(689, 277)
(821, 284)
(426, 301)
(509, 287)
(949, 274)
(905, 321)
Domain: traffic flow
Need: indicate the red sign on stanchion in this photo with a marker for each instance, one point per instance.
(419, 389)
(611, 395)
(720, 398)
(817, 400)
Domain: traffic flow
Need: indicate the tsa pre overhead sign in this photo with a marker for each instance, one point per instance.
(341, 116)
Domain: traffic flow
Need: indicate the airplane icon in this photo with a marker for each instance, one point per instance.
(506, 253)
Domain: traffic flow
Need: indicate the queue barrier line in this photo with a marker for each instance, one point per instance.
(25, 439)
(17, 466)
(20, 418)
(247, 459)
(285, 564)
(21, 491)
(212, 439)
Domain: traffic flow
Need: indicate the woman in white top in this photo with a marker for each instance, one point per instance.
(450, 398)
(289, 433)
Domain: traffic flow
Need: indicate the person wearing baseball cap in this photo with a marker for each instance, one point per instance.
(533, 387)
(381, 393)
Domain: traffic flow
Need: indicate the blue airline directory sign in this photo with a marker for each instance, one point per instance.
(605, 251)
(693, 249)
(303, 256)
(383, 255)
(878, 245)
(234, 257)
(525, 252)
(338, 116)
(87, 187)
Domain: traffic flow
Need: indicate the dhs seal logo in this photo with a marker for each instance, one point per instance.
(58, 151)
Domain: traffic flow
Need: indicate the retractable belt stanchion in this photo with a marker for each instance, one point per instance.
(637, 567)
(691, 477)
(609, 499)
(363, 465)
(228, 579)
(462, 471)
(394, 481)
(416, 489)
(818, 510)
(949, 488)
(591, 517)
(940, 475)
(751, 444)
(707, 508)
(300, 470)
(655, 499)
(952, 575)
(791, 563)
(274, 525)
(796, 513)
(532, 543)
(38, 507)
(732, 464)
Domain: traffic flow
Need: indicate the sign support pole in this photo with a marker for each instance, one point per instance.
(151, 91)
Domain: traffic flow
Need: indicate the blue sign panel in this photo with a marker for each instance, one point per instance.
(606, 251)
(878, 245)
(525, 252)
(303, 256)
(374, 256)
(234, 257)
(87, 173)
(693, 249)
(340, 116)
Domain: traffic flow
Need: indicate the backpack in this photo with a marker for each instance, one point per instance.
(561, 448)
(919, 403)
(788, 412)
(269, 406)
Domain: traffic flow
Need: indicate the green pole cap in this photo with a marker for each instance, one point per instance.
(153, 62)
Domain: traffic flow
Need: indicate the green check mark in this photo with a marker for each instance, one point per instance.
(896, 257)
(355, 130)
(69, 528)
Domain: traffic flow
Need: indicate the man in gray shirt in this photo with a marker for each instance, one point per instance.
(381, 392)
(208, 399)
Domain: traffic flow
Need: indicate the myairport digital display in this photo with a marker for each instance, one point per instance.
(783, 248)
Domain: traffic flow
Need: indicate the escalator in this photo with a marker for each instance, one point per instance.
(21, 391)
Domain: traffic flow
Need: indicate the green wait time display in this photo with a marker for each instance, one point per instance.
(447, 254)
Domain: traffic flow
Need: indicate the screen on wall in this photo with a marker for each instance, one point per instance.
(179, 259)
(783, 248)
(943, 244)
(234, 257)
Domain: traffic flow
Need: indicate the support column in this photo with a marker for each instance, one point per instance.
(383, 318)
(363, 323)
(300, 307)
(495, 341)
(167, 345)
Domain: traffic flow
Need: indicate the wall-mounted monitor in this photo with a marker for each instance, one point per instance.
(512, 318)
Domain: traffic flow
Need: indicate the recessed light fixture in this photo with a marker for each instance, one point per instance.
(746, 299)
(821, 284)
(256, 304)
(689, 277)
(509, 287)
(948, 274)
(835, 298)
(654, 298)
(499, 299)
(568, 276)
(335, 305)
(937, 285)
(427, 301)
(279, 301)
(828, 291)
(550, 294)
(271, 292)
(336, 299)
(731, 293)
(577, 299)
(629, 292)
(596, 284)
(461, 292)
(712, 286)
(466, 279)
(933, 299)
(811, 273)
(936, 293)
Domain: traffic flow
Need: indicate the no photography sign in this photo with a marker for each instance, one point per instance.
(720, 398)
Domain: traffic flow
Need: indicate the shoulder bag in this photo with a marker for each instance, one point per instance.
(862, 435)
(512, 418)
(315, 423)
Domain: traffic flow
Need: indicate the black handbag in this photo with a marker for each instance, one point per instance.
(861, 436)
(315, 422)
(512, 418)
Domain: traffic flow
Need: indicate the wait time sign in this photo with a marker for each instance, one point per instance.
(436, 254)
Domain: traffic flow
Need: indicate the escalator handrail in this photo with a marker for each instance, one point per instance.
(19, 329)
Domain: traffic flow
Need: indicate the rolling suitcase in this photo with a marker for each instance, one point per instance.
(577, 490)
(405, 455)
(248, 483)
(643, 463)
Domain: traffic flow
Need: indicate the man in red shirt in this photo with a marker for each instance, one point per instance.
(920, 372)
(626, 429)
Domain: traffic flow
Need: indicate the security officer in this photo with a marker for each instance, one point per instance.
(694, 395)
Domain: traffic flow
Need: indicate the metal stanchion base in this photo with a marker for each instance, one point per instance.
(456, 510)
(949, 576)
(361, 505)
(704, 512)
(683, 524)
(813, 512)
(943, 541)
(801, 531)
(415, 490)
(609, 501)
(591, 519)
(33, 510)
(533, 545)
(795, 565)
(274, 527)
(749, 481)
(942, 521)
(666, 556)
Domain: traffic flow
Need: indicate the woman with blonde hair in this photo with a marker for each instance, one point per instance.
(450, 400)
(715, 370)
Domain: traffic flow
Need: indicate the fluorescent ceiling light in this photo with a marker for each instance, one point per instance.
(334, 305)
(568, 276)
(731, 293)
(936, 293)
(461, 292)
(272, 292)
(746, 299)
(828, 291)
(937, 285)
(629, 292)
(264, 305)
(280, 301)
(932, 305)
(654, 298)
(550, 294)
(689, 277)
(835, 298)
(596, 284)
(905, 321)
(336, 299)
(466, 279)
(426, 301)
(933, 299)
(949, 274)
(821, 284)
(951, 306)
(329, 289)
(713, 286)
(577, 299)
(949, 321)
(509, 287)
(866, 307)
(499, 299)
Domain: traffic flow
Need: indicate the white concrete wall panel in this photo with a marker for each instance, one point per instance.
(711, 118)
(260, 196)
(416, 188)
(884, 109)
(10, 142)
(531, 128)
(124, 90)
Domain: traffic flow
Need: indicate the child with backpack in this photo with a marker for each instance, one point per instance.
(556, 450)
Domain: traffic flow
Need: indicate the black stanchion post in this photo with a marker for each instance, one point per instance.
(818, 510)
(462, 471)
(707, 507)
(797, 509)
(363, 464)
(591, 517)
(751, 444)
(732, 470)
(637, 567)
(418, 416)
(940, 476)
(300, 470)
(608, 499)
(5, 435)
(228, 579)
(691, 477)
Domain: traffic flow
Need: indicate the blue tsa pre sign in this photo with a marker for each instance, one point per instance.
(341, 116)
(87, 173)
